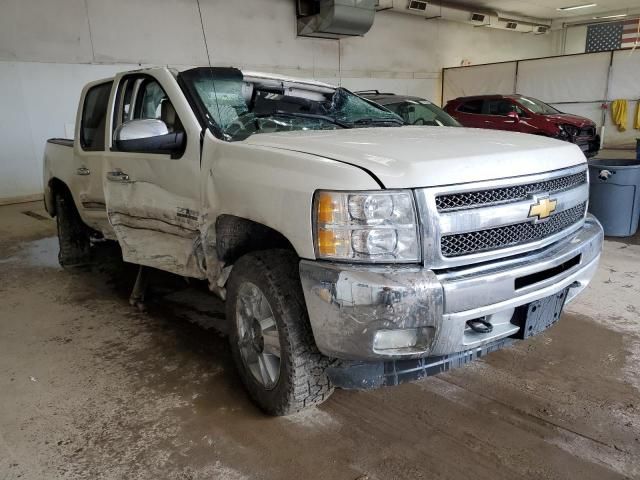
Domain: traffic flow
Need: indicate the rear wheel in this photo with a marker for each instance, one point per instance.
(270, 335)
(73, 234)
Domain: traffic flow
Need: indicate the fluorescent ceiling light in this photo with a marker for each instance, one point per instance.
(577, 7)
(620, 15)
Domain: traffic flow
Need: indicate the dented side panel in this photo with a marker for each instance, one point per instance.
(270, 186)
(153, 202)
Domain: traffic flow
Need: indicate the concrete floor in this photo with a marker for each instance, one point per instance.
(91, 388)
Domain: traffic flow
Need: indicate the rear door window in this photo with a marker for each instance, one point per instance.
(472, 106)
(94, 117)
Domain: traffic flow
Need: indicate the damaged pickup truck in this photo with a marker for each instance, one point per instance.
(353, 251)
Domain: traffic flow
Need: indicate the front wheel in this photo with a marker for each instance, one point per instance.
(270, 334)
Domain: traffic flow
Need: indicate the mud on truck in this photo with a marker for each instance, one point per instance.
(352, 250)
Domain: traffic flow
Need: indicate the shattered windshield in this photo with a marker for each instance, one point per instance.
(238, 106)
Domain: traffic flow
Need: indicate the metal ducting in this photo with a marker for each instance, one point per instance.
(457, 13)
(335, 18)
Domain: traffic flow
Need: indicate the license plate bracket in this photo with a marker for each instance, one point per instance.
(538, 316)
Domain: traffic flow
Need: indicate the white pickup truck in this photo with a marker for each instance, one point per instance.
(353, 251)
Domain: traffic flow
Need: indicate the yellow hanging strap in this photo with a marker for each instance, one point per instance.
(619, 114)
(636, 118)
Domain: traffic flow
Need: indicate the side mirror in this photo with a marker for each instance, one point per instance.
(148, 136)
(514, 116)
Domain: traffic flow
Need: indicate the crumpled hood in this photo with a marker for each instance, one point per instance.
(575, 120)
(411, 157)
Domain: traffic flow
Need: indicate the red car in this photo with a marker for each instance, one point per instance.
(519, 113)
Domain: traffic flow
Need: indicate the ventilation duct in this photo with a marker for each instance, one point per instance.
(480, 19)
(457, 13)
(335, 18)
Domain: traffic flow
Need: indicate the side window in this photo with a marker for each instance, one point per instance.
(520, 111)
(473, 107)
(151, 98)
(144, 98)
(94, 117)
(500, 107)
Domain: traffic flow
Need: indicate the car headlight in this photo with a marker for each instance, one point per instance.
(366, 226)
(569, 130)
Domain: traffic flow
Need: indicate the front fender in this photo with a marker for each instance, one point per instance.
(272, 187)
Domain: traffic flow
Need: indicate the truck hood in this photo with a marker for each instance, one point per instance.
(411, 157)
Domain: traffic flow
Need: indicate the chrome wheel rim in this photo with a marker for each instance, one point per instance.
(258, 339)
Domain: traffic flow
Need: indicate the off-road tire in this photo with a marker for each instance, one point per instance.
(73, 234)
(302, 381)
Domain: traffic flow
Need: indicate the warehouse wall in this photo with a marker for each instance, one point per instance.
(48, 50)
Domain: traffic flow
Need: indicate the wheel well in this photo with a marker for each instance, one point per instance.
(237, 236)
(56, 187)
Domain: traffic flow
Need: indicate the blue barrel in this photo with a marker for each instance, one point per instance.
(615, 195)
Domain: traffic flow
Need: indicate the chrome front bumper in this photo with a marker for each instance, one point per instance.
(391, 312)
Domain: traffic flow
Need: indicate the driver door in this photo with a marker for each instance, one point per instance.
(151, 181)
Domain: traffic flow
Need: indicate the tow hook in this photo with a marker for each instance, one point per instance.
(480, 325)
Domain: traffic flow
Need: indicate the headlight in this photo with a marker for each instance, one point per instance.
(366, 226)
(570, 130)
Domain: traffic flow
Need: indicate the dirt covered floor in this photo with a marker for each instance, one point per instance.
(91, 388)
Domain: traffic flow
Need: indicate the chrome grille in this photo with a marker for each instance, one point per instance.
(502, 237)
(454, 201)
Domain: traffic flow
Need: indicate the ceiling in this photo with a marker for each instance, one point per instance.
(548, 9)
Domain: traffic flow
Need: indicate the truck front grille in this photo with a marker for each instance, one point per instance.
(502, 237)
(454, 201)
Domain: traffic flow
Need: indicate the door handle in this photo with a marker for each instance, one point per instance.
(83, 171)
(117, 176)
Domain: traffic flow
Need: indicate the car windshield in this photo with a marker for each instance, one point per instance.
(238, 105)
(536, 106)
(422, 112)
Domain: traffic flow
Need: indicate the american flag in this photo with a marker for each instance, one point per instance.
(630, 33)
(613, 36)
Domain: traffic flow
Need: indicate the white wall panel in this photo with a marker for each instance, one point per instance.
(18, 163)
(41, 31)
(479, 80)
(592, 111)
(146, 31)
(625, 75)
(578, 78)
(42, 99)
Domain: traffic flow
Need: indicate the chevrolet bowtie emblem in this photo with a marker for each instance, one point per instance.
(542, 209)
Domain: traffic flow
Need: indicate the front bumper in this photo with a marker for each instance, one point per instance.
(590, 146)
(405, 312)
